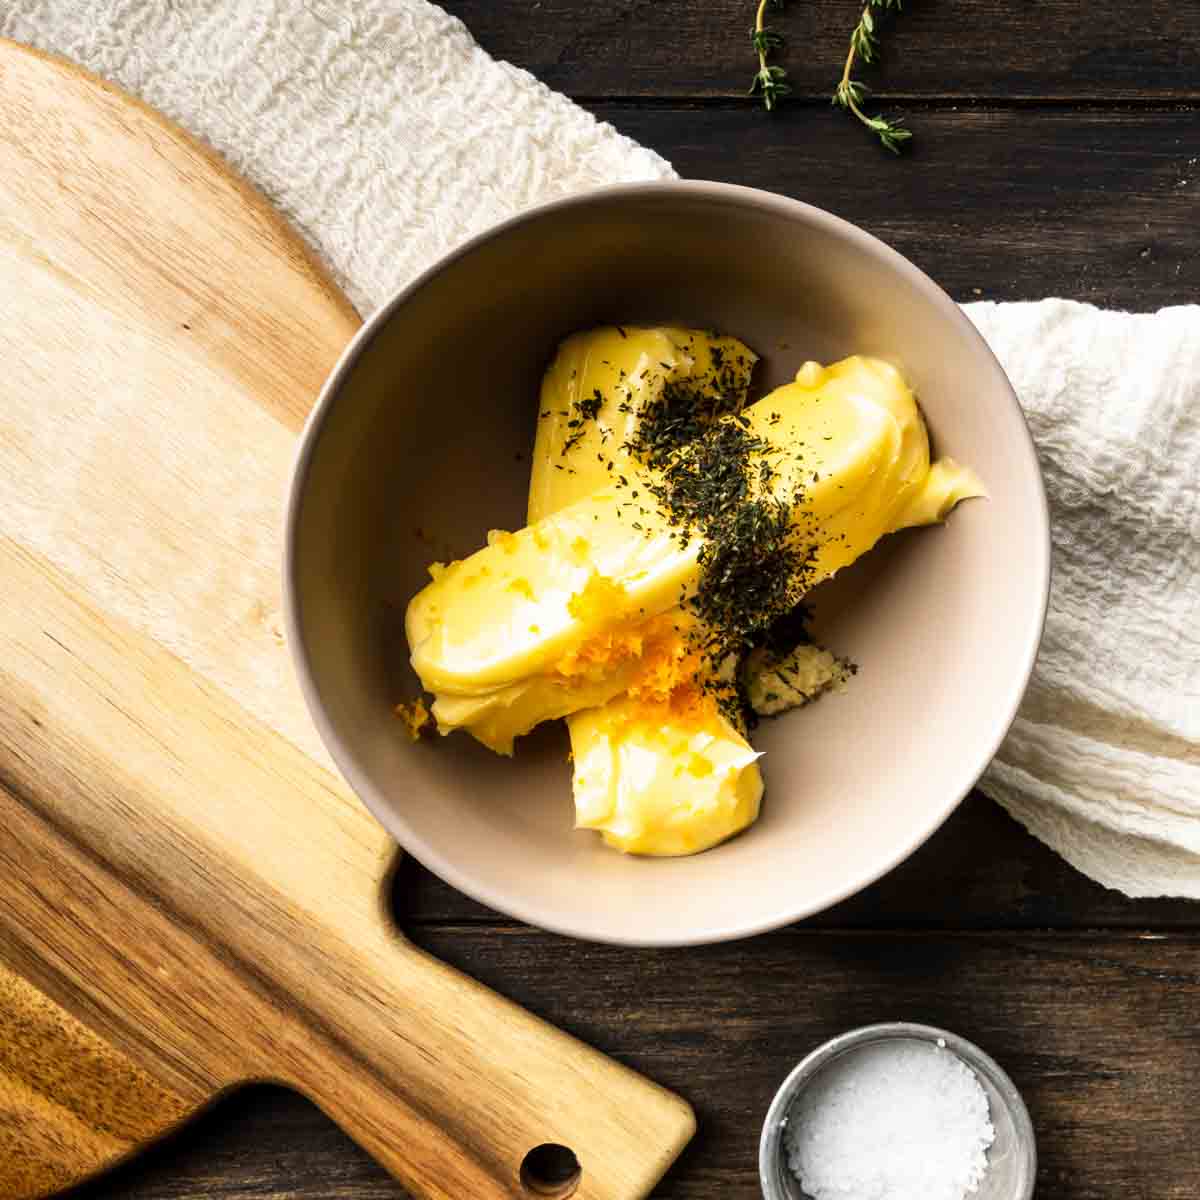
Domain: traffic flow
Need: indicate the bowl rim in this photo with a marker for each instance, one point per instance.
(807, 1069)
(364, 787)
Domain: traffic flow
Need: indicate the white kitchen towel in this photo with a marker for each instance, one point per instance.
(1103, 761)
(378, 127)
(388, 136)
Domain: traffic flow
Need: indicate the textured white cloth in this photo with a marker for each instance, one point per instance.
(387, 136)
(1103, 761)
(378, 127)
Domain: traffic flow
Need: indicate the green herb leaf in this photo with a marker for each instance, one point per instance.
(852, 95)
(765, 40)
(770, 82)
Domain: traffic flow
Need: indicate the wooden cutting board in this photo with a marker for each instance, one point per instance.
(190, 898)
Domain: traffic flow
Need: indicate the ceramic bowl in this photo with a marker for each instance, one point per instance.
(419, 444)
(1012, 1156)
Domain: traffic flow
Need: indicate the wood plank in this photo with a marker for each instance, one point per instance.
(263, 1143)
(203, 973)
(980, 871)
(189, 898)
(1100, 206)
(1107, 49)
(1097, 1031)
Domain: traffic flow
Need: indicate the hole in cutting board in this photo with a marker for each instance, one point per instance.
(551, 1170)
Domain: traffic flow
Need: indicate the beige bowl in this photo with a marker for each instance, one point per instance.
(420, 444)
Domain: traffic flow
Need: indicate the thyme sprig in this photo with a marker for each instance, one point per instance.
(851, 94)
(770, 82)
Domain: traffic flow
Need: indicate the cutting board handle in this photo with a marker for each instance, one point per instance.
(465, 1096)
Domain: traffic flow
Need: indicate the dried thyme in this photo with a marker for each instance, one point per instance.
(586, 411)
(719, 487)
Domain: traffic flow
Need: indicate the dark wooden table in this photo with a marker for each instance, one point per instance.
(1057, 152)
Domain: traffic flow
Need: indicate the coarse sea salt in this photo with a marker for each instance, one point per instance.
(896, 1120)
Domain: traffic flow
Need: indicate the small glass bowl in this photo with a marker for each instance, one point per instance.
(1012, 1159)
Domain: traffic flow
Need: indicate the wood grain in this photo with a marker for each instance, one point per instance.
(189, 897)
(1099, 206)
(1092, 195)
(1097, 1030)
(70, 1103)
(938, 49)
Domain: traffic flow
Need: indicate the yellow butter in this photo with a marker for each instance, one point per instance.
(572, 614)
(613, 373)
(651, 785)
(848, 446)
(631, 781)
(474, 629)
(635, 778)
